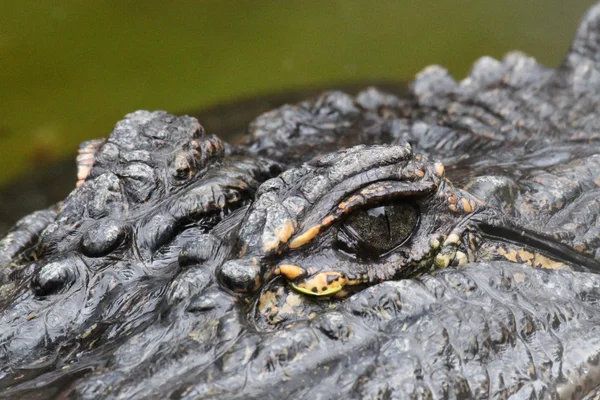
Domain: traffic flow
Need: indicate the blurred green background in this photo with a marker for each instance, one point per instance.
(70, 69)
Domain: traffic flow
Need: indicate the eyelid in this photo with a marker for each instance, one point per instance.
(368, 195)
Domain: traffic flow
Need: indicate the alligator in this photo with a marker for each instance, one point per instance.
(441, 244)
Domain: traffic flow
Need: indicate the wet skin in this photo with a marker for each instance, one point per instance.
(368, 247)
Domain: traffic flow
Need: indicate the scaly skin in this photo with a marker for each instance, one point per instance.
(350, 247)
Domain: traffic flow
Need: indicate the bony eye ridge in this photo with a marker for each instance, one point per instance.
(370, 233)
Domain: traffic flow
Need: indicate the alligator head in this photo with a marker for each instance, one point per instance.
(185, 266)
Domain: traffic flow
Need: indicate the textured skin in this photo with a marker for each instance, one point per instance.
(170, 271)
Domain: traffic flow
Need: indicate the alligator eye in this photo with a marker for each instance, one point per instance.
(372, 232)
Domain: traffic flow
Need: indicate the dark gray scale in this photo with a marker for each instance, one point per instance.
(24, 235)
(103, 237)
(56, 276)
